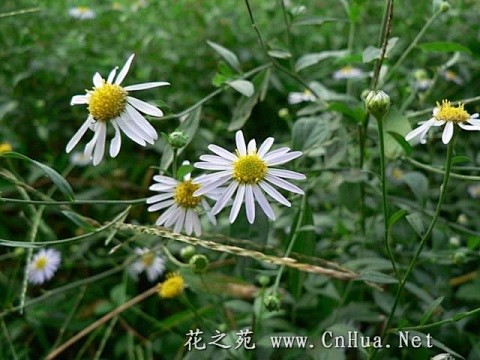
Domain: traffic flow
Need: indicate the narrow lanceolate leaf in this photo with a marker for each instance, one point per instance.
(444, 46)
(226, 54)
(314, 58)
(57, 179)
(244, 87)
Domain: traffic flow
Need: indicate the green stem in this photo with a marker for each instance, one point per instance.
(287, 28)
(412, 45)
(426, 236)
(440, 171)
(383, 182)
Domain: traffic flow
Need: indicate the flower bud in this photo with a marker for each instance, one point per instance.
(199, 263)
(263, 280)
(177, 139)
(377, 103)
(444, 6)
(187, 252)
(272, 302)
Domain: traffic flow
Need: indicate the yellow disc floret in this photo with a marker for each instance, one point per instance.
(41, 263)
(148, 258)
(446, 112)
(107, 102)
(171, 287)
(249, 169)
(184, 194)
(5, 147)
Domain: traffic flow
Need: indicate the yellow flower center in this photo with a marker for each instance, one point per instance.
(41, 263)
(107, 102)
(5, 147)
(447, 112)
(184, 194)
(147, 259)
(249, 169)
(171, 287)
(83, 9)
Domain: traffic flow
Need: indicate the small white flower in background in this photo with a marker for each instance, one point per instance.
(182, 206)
(421, 80)
(250, 172)
(448, 115)
(79, 159)
(452, 76)
(43, 266)
(148, 261)
(443, 356)
(298, 97)
(108, 102)
(349, 72)
(82, 13)
(474, 191)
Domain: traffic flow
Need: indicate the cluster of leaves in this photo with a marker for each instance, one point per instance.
(209, 50)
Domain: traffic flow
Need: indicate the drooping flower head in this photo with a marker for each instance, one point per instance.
(43, 266)
(82, 13)
(298, 97)
(109, 102)
(349, 72)
(172, 287)
(182, 206)
(249, 173)
(448, 115)
(149, 262)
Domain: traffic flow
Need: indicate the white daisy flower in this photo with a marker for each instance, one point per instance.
(43, 266)
(79, 159)
(148, 261)
(108, 102)
(82, 13)
(182, 206)
(251, 174)
(452, 76)
(448, 115)
(298, 97)
(348, 72)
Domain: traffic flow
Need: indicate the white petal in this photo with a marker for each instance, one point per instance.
(447, 132)
(266, 145)
(240, 141)
(220, 204)
(215, 159)
(283, 184)
(166, 215)
(205, 179)
(287, 174)
(112, 74)
(161, 205)
(144, 86)
(165, 180)
(78, 135)
(142, 122)
(116, 142)
(212, 185)
(180, 221)
(197, 229)
(417, 131)
(237, 203)
(263, 202)
(92, 143)
(189, 221)
(124, 71)
(100, 147)
(252, 147)
(284, 158)
(174, 216)
(159, 197)
(97, 80)
(131, 133)
(469, 127)
(162, 187)
(222, 152)
(144, 107)
(250, 204)
(210, 166)
(270, 190)
(208, 211)
(79, 99)
(275, 153)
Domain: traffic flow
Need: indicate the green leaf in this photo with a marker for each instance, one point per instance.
(418, 184)
(184, 170)
(400, 139)
(244, 87)
(416, 222)
(461, 159)
(373, 53)
(430, 310)
(310, 133)
(356, 113)
(189, 127)
(396, 123)
(444, 46)
(226, 54)
(317, 20)
(62, 185)
(395, 217)
(280, 54)
(314, 58)
(473, 243)
(78, 220)
(376, 277)
(245, 105)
